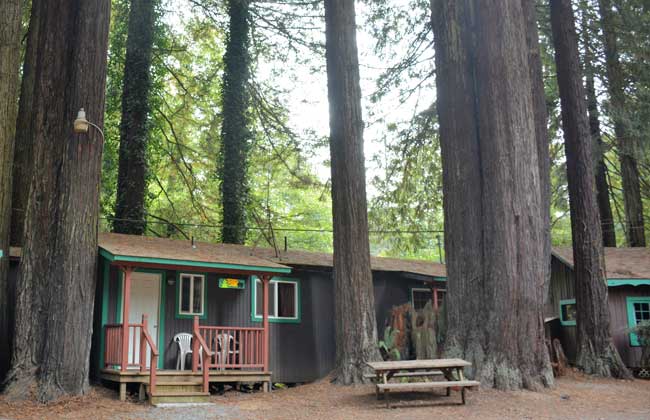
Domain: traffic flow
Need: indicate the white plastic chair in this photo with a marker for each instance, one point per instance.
(184, 341)
(224, 342)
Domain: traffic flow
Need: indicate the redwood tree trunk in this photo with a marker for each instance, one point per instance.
(235, 131)
(10, 20)
(596, 353)
(54, 302)
(494, 232)
(356, 329)
(635, 227)
(541, 135)
(602, 186)
(132, 172)
(24, 144)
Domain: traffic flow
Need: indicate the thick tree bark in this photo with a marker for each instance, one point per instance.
(635, 229)
(24, 144)
(602, 186)
(596, 352)
(356, 329)
(10, 20)
(54, 299)
(132, 171)
(235, 131)
(494, 232)
(541, 134)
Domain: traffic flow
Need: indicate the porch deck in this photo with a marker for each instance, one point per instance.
(168, 376)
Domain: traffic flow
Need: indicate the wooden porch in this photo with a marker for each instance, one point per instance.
(220, 354)
(181, 385)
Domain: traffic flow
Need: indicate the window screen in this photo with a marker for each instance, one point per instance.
(191, 294)
(421, 297)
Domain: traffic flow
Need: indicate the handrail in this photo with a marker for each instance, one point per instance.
(207, 353)
(199, 343)
(145, 337)
(210, 327)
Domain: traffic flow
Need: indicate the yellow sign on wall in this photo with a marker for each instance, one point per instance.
(232, 284)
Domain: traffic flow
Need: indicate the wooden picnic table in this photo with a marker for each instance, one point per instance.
(424, 370)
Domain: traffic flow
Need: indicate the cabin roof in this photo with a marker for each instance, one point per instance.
(323, 259)
(163, 248)
(163, 251)
(620, 263)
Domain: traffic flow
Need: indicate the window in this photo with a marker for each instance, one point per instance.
(284, 302)
(568, 312)
(638, 310)
(191, 295)
(420, 297)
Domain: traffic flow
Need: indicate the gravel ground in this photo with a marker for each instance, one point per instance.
(573, 398)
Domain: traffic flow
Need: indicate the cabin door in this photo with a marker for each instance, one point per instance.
(145, 299)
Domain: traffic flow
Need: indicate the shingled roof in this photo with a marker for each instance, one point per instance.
(173, 251)
(620, 263)
(162, 248)
(323, 259)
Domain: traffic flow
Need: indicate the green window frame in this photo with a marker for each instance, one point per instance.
(564, 310)
(192, 277)
(273, 295)
(632, 311)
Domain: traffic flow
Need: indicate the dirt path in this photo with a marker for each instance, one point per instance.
(573, 398)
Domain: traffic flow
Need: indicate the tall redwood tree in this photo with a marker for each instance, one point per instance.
(596, 352)
(625, 140)
(10, 20)
(494, 231)
(235, 127)
(54, 302)
(132, 171)
(356, 329)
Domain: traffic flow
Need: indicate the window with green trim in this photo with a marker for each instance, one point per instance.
(284, 303)
(191, 294)
(638, 311)
(568, 312)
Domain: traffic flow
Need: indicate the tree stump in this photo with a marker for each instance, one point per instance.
(423, 333)
(400, 321)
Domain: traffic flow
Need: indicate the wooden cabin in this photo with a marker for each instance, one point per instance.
(628, 280)
(164, 287)
(151, 289)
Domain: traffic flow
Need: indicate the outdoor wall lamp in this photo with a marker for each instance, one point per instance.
(81, 124)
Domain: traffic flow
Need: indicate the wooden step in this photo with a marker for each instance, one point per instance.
(163, 397)
(177, 386)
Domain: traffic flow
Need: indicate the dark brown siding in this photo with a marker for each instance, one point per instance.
(300, 352)
(562, 283)
(618, 310)
(562, 287)
(394, 289)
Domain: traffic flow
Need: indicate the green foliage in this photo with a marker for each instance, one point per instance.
(184, 197)
(409, 190)
(286, 48)
(387, 346)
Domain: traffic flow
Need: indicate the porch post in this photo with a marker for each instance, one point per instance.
(435, 298)
(265, 321)
(126, 299)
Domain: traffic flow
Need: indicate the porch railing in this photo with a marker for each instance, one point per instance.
(116, 352)
(228, 347)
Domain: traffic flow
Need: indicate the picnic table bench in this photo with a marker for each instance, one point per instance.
(450, 369)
